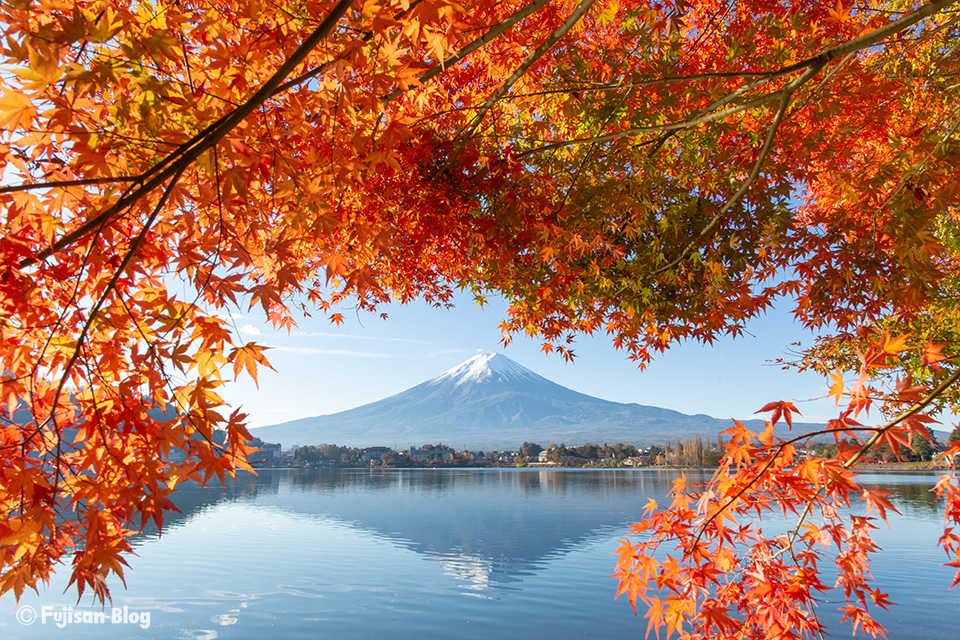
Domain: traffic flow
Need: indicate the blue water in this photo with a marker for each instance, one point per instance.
(484, 553)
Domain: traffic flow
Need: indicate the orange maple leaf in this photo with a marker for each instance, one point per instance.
(249, 357)
(932, 354)
(877, 498)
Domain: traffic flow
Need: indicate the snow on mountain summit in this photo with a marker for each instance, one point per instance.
(487, 367)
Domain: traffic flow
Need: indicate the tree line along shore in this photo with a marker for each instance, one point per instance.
(696, 452)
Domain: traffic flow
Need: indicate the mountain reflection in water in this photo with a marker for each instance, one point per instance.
(489, 528)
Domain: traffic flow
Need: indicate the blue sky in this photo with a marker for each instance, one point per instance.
(324, 369)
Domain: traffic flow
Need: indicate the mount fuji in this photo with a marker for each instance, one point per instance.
(490, 401)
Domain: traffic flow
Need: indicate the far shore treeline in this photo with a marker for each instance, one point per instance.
(695, 451)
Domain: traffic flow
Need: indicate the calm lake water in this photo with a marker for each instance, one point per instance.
(486, 553)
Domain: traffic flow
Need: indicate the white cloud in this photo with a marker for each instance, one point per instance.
(274, 411)
(350, 336)
(249, 330)
(338, 352)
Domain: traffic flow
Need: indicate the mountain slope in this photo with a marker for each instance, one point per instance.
(490, 401)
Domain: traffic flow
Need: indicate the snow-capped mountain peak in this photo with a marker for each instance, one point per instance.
(490, 401)
(486, 367)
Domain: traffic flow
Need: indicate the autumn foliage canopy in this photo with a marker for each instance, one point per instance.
(656, 171)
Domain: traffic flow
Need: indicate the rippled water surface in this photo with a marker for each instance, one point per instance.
(484, 553)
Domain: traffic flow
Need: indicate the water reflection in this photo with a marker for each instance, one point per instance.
(486, 527)
(910, 493)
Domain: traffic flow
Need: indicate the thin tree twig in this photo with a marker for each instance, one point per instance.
(754, 173)
(111, 286)
(537, 53)
(487, 37)
(62, 184)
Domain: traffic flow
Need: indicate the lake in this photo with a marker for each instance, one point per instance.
(421, 553)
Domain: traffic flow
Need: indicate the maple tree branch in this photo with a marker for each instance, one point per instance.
(754, 173)
(817, 62)
(868, 445)
(179, 160)
(701, 117)
(927, 36)
(111, 286)
(919, 406)
(590, 88)
(868, 39)
(62, 184)
(587, 156)
(826, 78)
(313, 73)
(478, 43)
(52, 334)
(702, 529)
(545, 46)
(916, 168)
(862, 450)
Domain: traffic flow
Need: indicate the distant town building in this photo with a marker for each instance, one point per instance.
(219, 436)
(375, 454)
(269, 451)
(426, 455)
